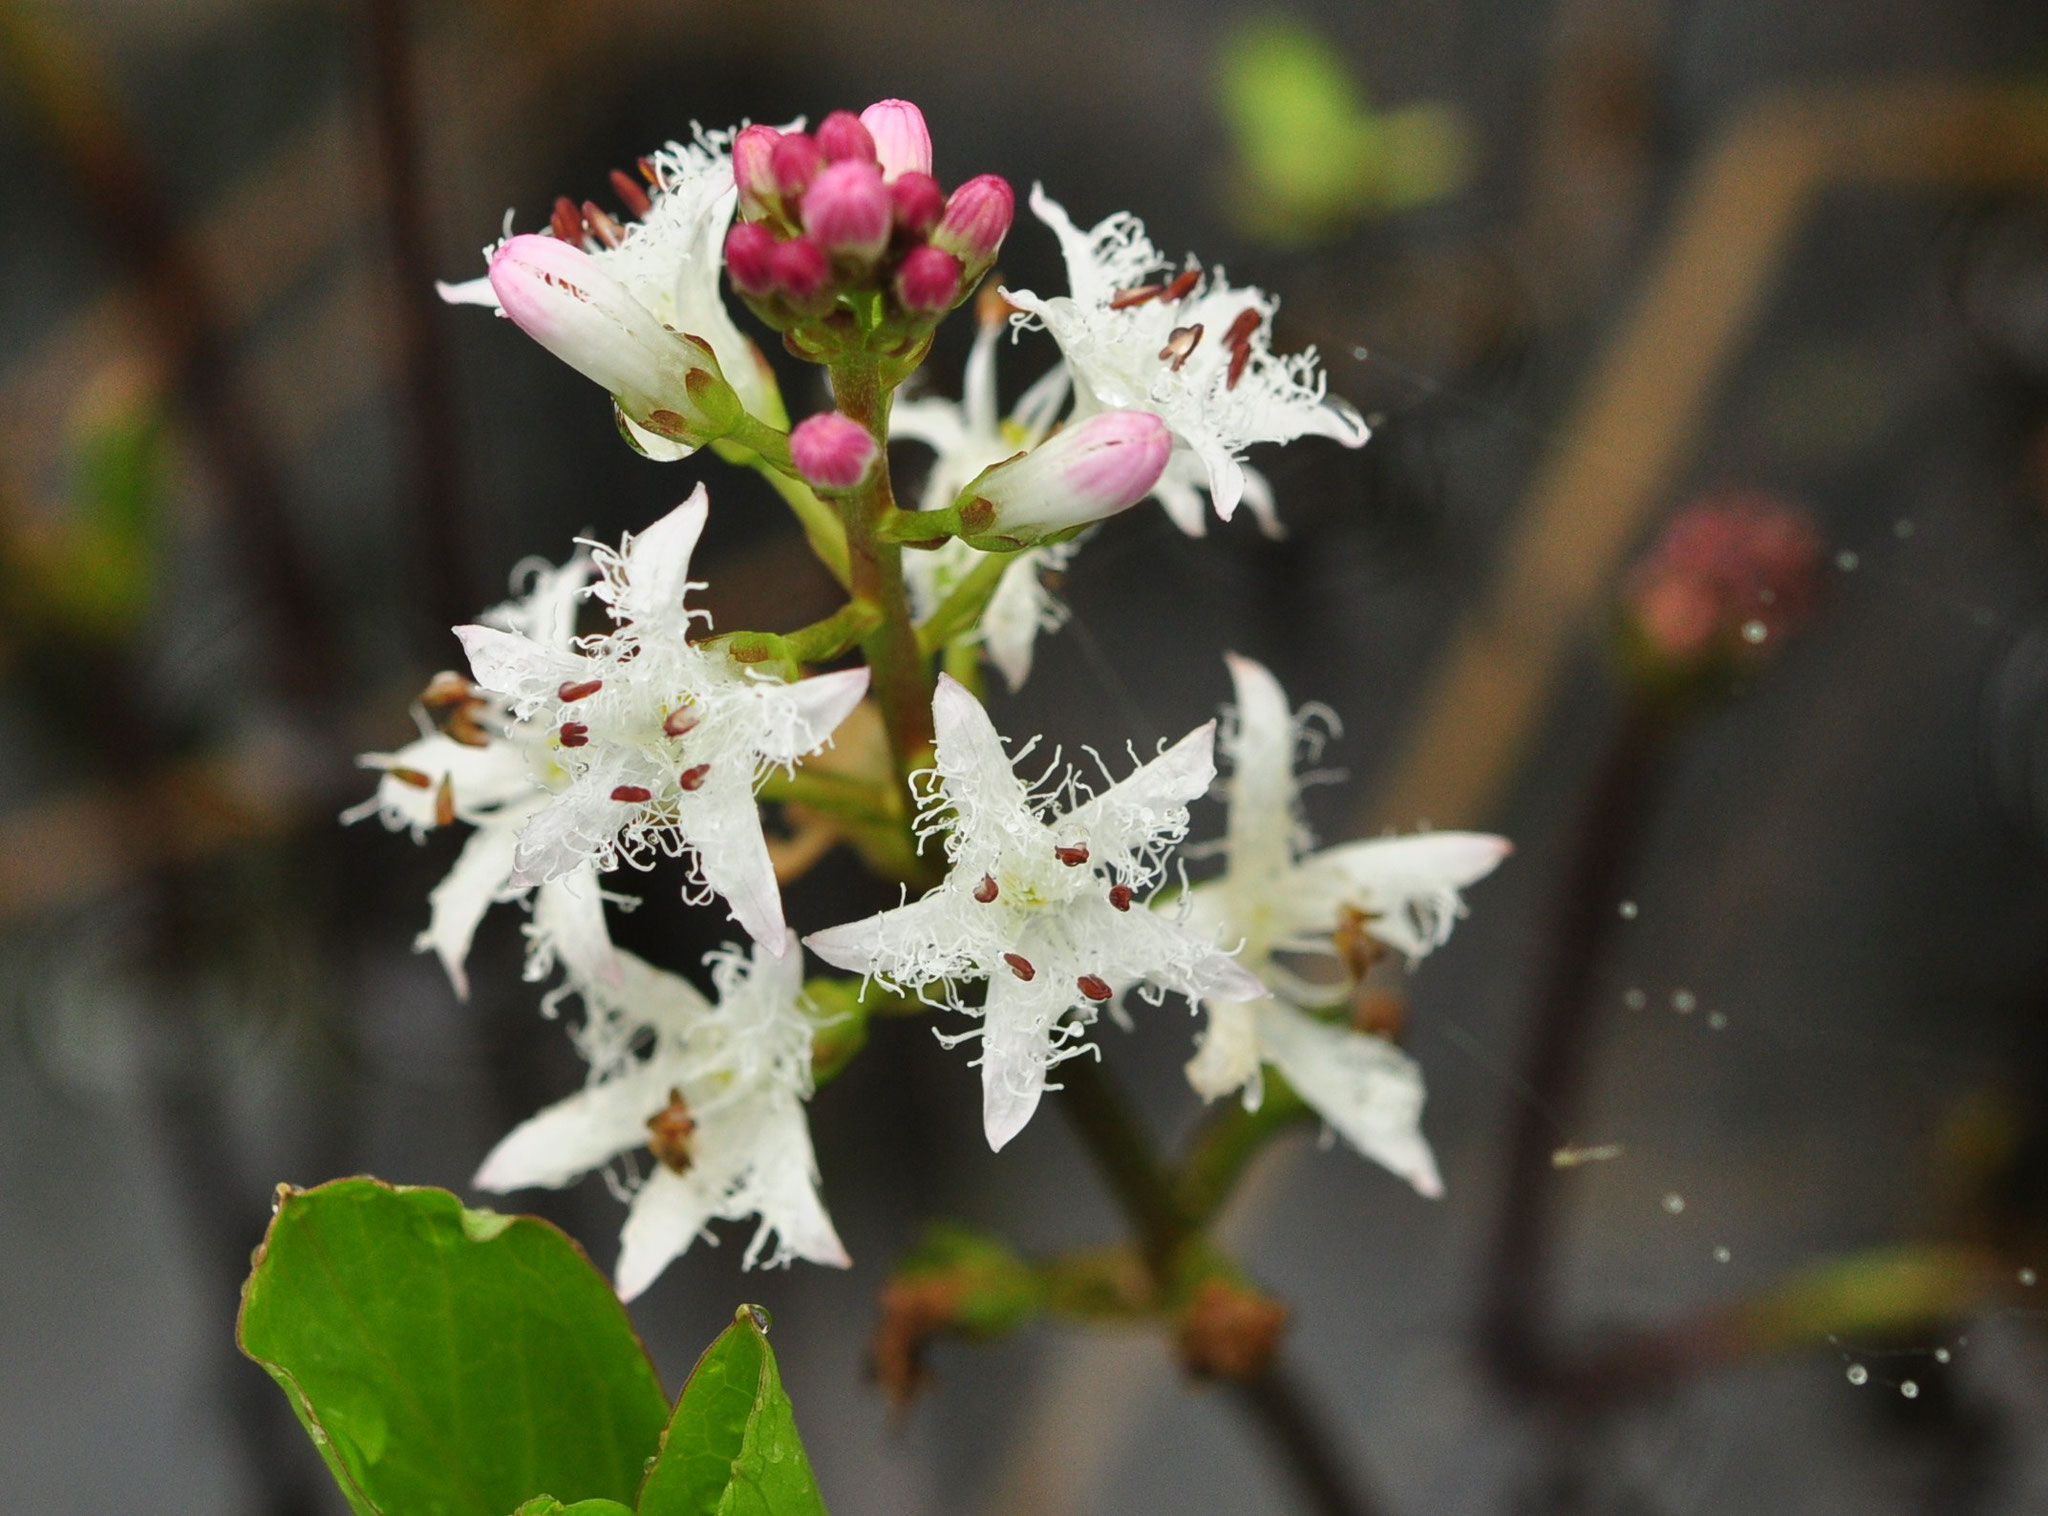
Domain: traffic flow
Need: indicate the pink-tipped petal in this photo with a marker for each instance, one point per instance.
(903, 143)
(847, 210)
(800, 269)
(793, 164)
(977, 219)
(919, 203)
(753, 156)
(843, 139)
(833, 452)
(750, 257)
(928, 281)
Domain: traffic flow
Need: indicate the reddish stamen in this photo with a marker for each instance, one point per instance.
(602, 227)
(679, 721)
(1120, 896)
(632, 794)
(1093, 987)
(985, 891)
(1020, 966)
(669, 1133)
(444, 802)
(631, 195)
(578, 689)
(567, 222)
(1239, 357)
(1072, 857)
(693, 778)
(574, 734)
(1240, 330)
(649, 172)
(1180, 343)
(1123, 300)
(1182, 283)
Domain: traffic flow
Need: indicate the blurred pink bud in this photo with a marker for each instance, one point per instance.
(842, 139)
(1731, 576)
(903, 144)
(750, 257)
(928, 281)
(847, 209)
(919, 203)
(833, 452)
(800, 269)
(793, 163)
(753, 155)
(1085, 471)
(977, 219)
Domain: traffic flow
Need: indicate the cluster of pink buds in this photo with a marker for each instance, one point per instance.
(1727, 580)
(852, 209)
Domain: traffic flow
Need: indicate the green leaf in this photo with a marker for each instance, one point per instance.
(731, 1448)
(448, 1362)
(547, 1505)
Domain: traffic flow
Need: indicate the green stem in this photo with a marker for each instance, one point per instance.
(1226, 1145)
(835, 795)
(820, 642)
(962, 608)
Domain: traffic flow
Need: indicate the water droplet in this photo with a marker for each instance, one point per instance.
(1628, 910)
(1716, 1021)
(1846, 561)
(1754, 631)
(1942, 1355)
(1902, 528)
(2029, 1278)
(1722, 1255)
(1635, 1000)
(1674, 1203)
(1361, 353)
(1858, 1374)
(1684, 1002)
(1909, 1389)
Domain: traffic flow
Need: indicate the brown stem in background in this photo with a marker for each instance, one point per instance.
(425, 391)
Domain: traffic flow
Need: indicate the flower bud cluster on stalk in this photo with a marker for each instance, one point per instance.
(602, 725)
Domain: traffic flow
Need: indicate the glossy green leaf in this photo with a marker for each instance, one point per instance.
(547, 1505)
(731, 1449)
(448, 1362)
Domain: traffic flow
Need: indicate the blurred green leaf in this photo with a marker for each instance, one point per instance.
(449, 1362)
(547, 1505)
(732, 1449)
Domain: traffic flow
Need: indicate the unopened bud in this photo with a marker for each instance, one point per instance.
(919, 203)
(753, 155)
(562, 298)
(928, 281)
(1082, 473)
(800, 269)
(847, 210)
(750, 257)
(793, 163)
(1730, 577)
(834, 453)
(842, 139)
(977, 219)
(903, 143)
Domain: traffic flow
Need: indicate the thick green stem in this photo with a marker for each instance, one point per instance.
(962, 609)
(902, 682)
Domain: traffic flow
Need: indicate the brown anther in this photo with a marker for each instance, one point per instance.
(985, 891)
(1072, 857)
(1120, 896)
(671, 1134)
(1240, 357)
(412, 777)
(632, 794)
(631, 195)
(1182, 282)
(679, 721)
(1180, 343)
(602, 227)
(573, 734)
(567, 222)
(578, 689)
(693, 778)
(444, 802)
(1240, 331)
(1123, 300)
(452, 702)
(1357, 949)
(1094, 987)
(1020, 966)
(649, 172)
(1378, 1013)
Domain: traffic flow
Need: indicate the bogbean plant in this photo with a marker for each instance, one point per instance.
(580, 750)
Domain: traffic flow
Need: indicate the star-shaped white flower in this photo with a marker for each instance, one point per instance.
(966, 438)
(717, 1098)
(659, 742)
(1201, 360)
(672, 261)
(1277, 896)
(1045, 905)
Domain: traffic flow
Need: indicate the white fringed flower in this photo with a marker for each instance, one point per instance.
(1041, 903)
(714, 1090)
(658, 742)
(965, 438)
(672, 261)
(1277, 896)
(1202, 362)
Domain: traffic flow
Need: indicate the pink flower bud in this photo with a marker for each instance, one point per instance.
(847, 209)
(793, 163)
(976, 221)
(833, 452)
(800, 269)
(919, 203)
(1082, 473)
(928, 281)
(903, 144)
(842, 139)
(753, 154)
(1730, 577)
(750, 257)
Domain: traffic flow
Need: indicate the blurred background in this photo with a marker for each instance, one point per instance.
(1739, 1068)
